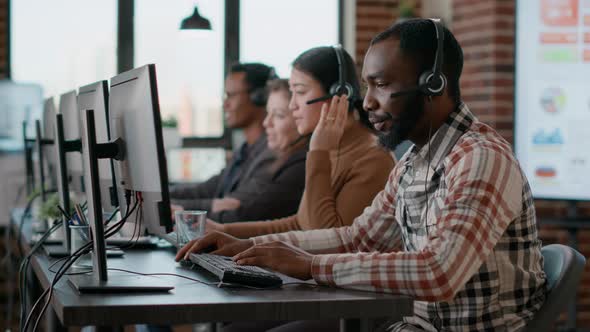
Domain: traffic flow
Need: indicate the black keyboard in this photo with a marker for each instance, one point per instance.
(231, 273)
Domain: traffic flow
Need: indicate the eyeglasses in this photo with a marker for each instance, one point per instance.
(231, 94)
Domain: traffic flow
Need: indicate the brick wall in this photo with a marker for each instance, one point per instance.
(5, 283)
(485, 30)
(372, 17)
(3, 38)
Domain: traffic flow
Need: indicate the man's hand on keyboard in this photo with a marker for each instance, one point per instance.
(278, 256)
(225, 245)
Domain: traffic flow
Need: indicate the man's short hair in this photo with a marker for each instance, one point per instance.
(417, 40)
(257, 74)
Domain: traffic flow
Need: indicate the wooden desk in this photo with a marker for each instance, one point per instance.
(191, 302)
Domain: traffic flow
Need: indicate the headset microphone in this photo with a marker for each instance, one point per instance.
(317, 100)
(405, 92)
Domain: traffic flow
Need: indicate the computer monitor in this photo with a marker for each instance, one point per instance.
(69, 160)
(95, 97)
(140, 168)
(28, 146)
(45, 133)
(68, 107)
(134, 116)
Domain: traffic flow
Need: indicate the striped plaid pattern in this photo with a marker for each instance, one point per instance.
(457, 233)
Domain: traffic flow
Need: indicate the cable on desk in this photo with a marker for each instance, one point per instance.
(50, 268)
(26, 212)
(49, 291)
(69, 262)
(7, 259)
(137, 225)
(24, 268)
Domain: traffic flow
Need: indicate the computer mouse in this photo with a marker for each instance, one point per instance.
(185, 262)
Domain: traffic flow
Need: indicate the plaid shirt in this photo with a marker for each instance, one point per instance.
(457, 233)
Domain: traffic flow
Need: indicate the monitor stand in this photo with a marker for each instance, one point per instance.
(100, 281)
(89, 283)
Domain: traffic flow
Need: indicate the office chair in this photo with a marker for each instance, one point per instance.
(563, 267)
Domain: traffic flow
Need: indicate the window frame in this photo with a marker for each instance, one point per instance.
(126, 48)
(8, 68)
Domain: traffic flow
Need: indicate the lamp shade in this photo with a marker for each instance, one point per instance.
(195, 21)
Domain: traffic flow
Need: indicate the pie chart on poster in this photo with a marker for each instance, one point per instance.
(553, 100)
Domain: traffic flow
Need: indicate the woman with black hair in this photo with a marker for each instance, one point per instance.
(345, 166)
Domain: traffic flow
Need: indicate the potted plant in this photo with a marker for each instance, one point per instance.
(406, 10)
(170, 132)
(48, 209)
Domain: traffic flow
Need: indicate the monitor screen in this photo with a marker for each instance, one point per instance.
(552, 104)
(134, 116)
(95, 97)
(71, 122)
(49, 150)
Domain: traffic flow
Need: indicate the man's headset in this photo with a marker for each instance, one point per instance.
(259, 95)
(341, 86)
(431, 82)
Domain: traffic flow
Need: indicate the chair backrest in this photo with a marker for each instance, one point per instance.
(563, 267)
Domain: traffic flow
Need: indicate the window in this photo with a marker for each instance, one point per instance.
(189, 63)
(275, 32)
(63, 44)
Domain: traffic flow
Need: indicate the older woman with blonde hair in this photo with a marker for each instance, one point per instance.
(278, 192)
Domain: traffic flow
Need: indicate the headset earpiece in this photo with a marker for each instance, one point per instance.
(340, 87)
(259, 95)
(433, 82)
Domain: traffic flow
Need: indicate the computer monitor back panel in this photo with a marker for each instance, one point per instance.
(49, 151)
(95, 97)
(135, 118)
(71, 121)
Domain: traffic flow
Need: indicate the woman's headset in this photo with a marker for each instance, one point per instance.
(341, 86)
(259, 95)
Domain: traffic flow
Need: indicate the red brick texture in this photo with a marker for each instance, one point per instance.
(3, 38)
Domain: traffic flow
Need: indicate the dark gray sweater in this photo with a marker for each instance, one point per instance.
(263, 194)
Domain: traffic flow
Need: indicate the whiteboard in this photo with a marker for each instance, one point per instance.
(552, 97)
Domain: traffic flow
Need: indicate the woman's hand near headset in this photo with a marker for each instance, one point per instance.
(330, 128)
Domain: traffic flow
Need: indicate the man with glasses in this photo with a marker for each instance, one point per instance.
(244, 108)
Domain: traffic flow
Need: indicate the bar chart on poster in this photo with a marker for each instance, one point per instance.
(552, 103)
